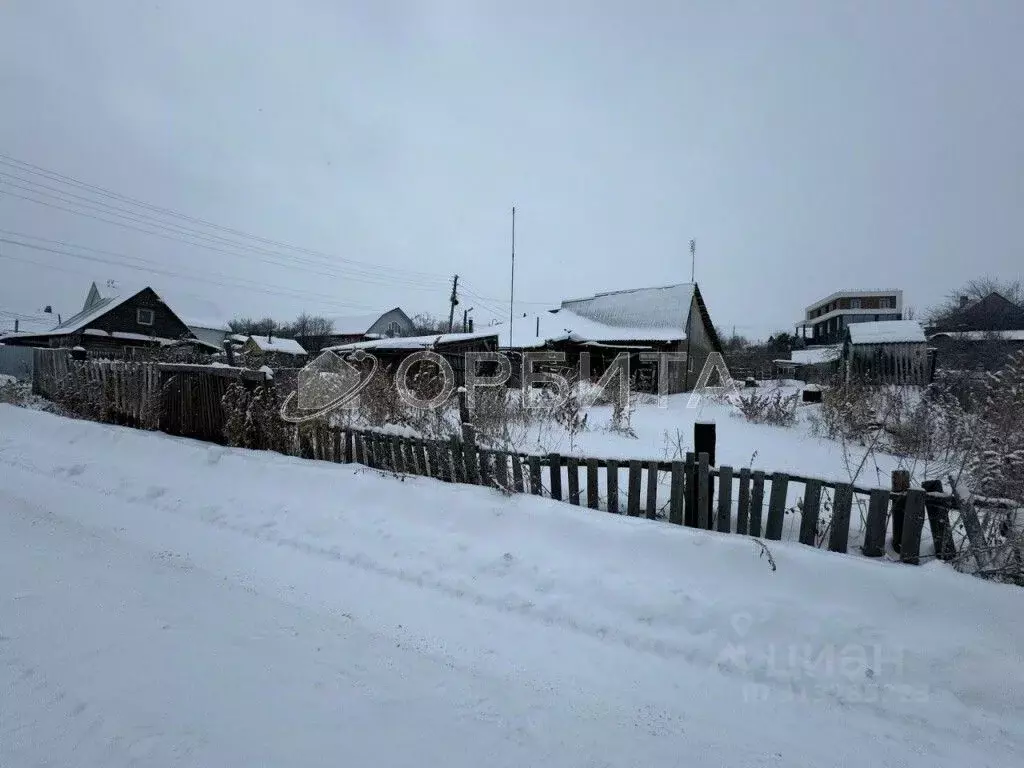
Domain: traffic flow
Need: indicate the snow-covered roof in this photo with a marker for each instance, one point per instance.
(278, 345)
(192, 310)
(815, 355)
(886, 332)
(353, 325)
(662, 307)
(535, 331)
(980, 335)
(415, 342)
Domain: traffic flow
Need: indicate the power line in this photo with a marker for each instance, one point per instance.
(256, 288)
(30, 168)
(107, 209)
(385, 281)
(360, 271)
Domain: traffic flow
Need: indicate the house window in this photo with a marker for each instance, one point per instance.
(144, 316)
(854, 303)
(394, 328)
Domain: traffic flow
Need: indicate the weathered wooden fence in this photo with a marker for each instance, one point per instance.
(187, 400)
(179, 399)
(749, 502)
(191, 398)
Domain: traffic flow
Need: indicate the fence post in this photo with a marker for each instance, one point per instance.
(842, 506)
(676, 486)
(776, 507)
(910, 544)
(652, 490)
(874, 532)
(703, 492)
(613, 486)
(704, 441)
(536, 487)
(724, 499)
(555, 469)
(517, 472)
(690, 492)
(938, 521)
(592, 492)
(756, 503)
(633, 497)
(743, 502)
(900, 485)
(573, 471)
(501, 472)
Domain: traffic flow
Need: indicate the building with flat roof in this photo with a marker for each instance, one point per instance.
(825, 321)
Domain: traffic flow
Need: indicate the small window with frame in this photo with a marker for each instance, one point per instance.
(144, 316)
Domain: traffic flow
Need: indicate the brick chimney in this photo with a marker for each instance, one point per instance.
(963, 302)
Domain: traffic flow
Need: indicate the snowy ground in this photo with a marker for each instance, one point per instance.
(660, 431)
(166, 602)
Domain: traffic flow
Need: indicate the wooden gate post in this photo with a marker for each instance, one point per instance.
(704, 441)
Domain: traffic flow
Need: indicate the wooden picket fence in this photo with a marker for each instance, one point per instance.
(700, 496)
(186, 400)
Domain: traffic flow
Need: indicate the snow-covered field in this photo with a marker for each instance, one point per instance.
(167, 602)
(660, 431)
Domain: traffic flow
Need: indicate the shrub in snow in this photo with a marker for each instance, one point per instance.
(772, 407)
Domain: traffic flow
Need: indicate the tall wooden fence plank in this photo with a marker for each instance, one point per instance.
(743, 502)
(756, 503)
(724, 499)
(842, 506)
(633, 492)
(874, 530)
(573, 470)
(613, 486)
(593, 494)
(651, 510)
(776, 507)
(677, 490)
(811, 510)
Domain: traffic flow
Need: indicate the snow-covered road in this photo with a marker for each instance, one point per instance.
(165, 602)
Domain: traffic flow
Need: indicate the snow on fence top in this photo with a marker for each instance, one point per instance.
(887, 332)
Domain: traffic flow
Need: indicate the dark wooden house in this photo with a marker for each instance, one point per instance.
(119, 325)
(979, 334)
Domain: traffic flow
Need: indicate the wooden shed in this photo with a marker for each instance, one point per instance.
(888, 352)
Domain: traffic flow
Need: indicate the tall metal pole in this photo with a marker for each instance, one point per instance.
(512, 288)
(693, 259)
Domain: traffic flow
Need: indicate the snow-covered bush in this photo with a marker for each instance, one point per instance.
(252, 419)
(772, 407)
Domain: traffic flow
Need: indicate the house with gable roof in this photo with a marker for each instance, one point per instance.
(669, 318)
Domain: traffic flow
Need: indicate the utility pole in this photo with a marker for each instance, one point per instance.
(693, 259)
(512, 289)
(454, 300)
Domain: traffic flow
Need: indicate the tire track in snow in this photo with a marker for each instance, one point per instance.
(751, 672)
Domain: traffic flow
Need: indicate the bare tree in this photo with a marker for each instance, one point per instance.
(248, 326)
(424, 324)
(313, 331)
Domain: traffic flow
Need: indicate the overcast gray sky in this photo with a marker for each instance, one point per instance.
(807, 146)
